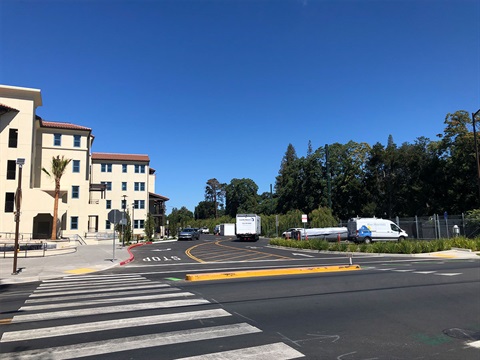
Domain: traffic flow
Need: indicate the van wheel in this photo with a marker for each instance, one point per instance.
(367, 240)
(401, 238)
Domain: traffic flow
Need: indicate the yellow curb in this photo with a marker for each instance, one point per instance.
(80, 271)
(271, 272)
(444, 256)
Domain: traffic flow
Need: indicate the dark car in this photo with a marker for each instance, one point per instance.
(189, 234)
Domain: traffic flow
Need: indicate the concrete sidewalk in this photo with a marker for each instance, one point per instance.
(86, 259)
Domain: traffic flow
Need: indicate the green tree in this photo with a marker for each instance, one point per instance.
(205, 210)
(179, 218)
(57, 169)
(125, 230)
(287, 181)
(215, 193)
(149, 227)
(241, 197)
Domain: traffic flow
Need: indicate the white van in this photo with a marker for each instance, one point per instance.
(372, 229)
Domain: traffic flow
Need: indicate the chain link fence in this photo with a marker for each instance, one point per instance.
(435, 226)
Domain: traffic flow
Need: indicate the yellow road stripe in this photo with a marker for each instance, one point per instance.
(80, 271)
(270, 272)
(5, 321)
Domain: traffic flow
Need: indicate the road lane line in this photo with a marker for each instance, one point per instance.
(107, 310)
(277, 351)
(25, 335)
(132, 343)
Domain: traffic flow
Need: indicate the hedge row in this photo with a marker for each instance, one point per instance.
(389, 247)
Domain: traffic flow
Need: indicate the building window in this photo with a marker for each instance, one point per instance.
(107, 225)
(57, 139)
(141, 204)
(124, 186)
(76, 166)
(108, 185)
(74, 223)
(9, 202)
(139, 169)
(109, 204)
(138, 224)
(139, 186)
(11, 169)
(12, 138)
(75, 191)
(124, 168)
(106, 168)
(76, 140)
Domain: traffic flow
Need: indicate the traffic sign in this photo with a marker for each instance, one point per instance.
(115, 216)
(304, 218)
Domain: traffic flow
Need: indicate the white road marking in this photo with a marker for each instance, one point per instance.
(25, 335)
(77, 278)
(104, 301)
(106, 310)
(448, 274)
(97, 295)
(277, 351)
(132, 343)
(72, 292)
(84, 285)
(424, 272)
(475, 344)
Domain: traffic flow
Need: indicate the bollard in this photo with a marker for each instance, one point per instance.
(338, 237)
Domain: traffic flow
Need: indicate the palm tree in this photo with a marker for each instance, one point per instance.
(58, 169)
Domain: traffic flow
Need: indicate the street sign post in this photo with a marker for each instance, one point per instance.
(114, 216)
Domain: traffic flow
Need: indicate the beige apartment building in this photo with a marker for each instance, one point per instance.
(92, 186)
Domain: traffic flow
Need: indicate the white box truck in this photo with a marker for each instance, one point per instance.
(227, 229)
(372, 229)
(248, 227)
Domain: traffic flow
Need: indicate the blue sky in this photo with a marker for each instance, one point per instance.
(220, 88)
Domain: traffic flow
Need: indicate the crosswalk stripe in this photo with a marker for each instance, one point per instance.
(424, 272)
(104, 301)
(132, 343)
(107, 310)
(84, 285)
(90, 277)
(72, 292)
(277, 351)
(97, 295)
(24, 335)
(93, 283)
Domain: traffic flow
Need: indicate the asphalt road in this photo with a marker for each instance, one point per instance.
(394, 308)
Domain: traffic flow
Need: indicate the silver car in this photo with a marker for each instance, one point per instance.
(189, 234)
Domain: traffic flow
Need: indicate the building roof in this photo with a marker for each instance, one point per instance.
(119, 157)
(157, 196)
(4, 109)
(62, 125)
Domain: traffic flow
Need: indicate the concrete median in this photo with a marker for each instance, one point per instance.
(270, 272)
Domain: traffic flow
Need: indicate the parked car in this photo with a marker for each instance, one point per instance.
(189, 234)
(289, 232)
(204, 230)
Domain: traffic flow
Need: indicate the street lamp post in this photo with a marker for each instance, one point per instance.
(18, 203)
(133, 218)
(124, 206)
(474, 115)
